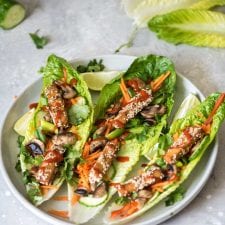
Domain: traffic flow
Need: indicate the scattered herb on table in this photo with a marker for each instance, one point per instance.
(39, 41)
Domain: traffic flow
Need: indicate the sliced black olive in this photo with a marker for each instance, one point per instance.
(81, 191)
(35, 147)
(170, 167)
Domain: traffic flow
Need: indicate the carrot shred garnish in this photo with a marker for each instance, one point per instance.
(159, 186)
(122, 158)
(45, 188)
(207, 124)
(83, 171)
(48, 186)
(155, 84)
(86, 150)
(73, 101)
(93, 156)
(59, 213)
(44, 191)
(128, 209)
(64, 75)
(124, 91)
(175, 136)
(75, 199)
(61, 198)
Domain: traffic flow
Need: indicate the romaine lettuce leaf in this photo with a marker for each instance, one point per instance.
(207, 4)
(144, 10)
(54, 71)
(147, 68)
(195, 116)
(191, 26)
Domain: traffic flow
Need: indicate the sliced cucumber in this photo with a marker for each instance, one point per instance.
(93, 202)
(39, 116)
(11, 13)
(49, 127)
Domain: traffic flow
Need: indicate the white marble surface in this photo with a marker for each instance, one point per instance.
(82, 28)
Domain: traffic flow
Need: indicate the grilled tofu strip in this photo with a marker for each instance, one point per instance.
(103, 163)
(184, 143)
(149, 177)
(136, 105)
(56, 106)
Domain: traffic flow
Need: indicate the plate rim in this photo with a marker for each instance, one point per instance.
(53, 220)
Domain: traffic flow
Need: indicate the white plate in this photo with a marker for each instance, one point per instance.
(9, 150)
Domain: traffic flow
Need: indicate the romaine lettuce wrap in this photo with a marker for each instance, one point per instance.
(129, 117)
(57, 130)
(185, 144)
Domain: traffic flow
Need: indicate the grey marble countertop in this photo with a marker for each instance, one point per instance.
(85, 28)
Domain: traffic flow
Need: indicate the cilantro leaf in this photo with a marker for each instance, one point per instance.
(121, 200)
(92, 66)
(18, 166)
(20, 140)
(140, 133)
(176, 196)
(40, 42)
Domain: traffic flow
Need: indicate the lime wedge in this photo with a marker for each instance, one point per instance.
(97, 80)
(22, 123)
(188, 103)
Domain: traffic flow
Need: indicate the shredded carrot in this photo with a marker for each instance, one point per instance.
(93, 156)
(64, 75)
(175, 136)
(124, 91)
(159, 189)
(59, 213)
(122, 158)
(44, 191)
(61, 198)
(207, 124)
(45, 188)
(75, 199)
(73, 82)
(83, 171)
(155, 84)
(73, 101)
(86, 150)
(128, 209)
(48, 186)
(206, 128)
(159, 186)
